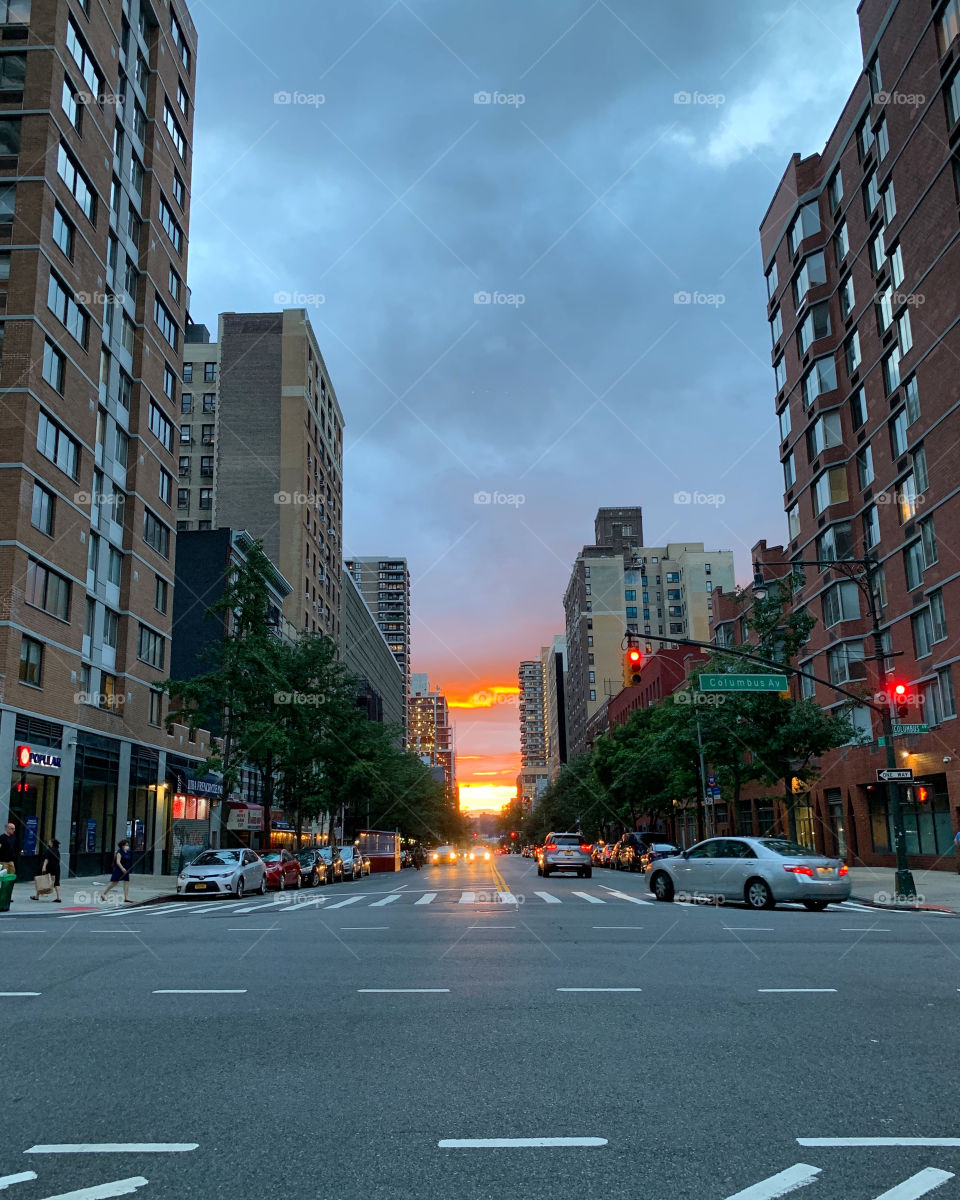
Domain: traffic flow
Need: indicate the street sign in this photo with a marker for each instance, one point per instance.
(743, 683)
(903, 730)
(892, 774)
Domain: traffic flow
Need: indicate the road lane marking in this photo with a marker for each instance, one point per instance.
(468, 898)
(343, 903)
(20, 993)
(618, 927)
(488, 926)
(297, 905)
(354, 927)
(590, 899)
(252, 928)
(8, 1180)
(920, 1184)
(103, 1191)
(599, 989)
(386, 900)
(145, 910)
(113, 931)
(878, 1141)
(549, 899)
(794, 1177)
(114, 1148)
(200, 992)
(749, 928)
(846, 929)
(774, 991)
(426, 898)
(507, 1143)
(24, 930)
(624, 896)
(397, 991)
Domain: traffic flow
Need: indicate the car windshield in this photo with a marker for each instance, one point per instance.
(216, 858)
(346, 852)
(269, 856)
(788, 849)
(659, 847)
(326, 854)
(306, 856)
(566, 840)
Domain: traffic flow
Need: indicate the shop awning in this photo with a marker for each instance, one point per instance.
(241, 816)
(185, 783)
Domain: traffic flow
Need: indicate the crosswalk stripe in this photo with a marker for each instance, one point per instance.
(386, 900)
(917, 1185)
(794, 1177)
(547, 898)
(344, 903)
(301, 904)
(468, 898)
(590, 899)
(632, 899)
(426, 898)
(507, 897)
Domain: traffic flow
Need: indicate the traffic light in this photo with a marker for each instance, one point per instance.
(513, 836)
(922, 795)
(632, 662)
(901, 701)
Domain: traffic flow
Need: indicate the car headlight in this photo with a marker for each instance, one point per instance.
(182, 875)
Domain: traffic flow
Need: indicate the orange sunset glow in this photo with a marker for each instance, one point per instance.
(485, 797)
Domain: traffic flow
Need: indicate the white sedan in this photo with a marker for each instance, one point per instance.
(223, 872)
(760, 872)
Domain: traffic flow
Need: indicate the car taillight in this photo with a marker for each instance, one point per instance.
(550, 846)
(586, 847)
(844, 869)
(799, 870)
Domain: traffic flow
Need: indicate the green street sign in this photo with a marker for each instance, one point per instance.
(744, 683)
(904, 730)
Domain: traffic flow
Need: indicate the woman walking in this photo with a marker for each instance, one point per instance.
(122, 862)
(50, 866)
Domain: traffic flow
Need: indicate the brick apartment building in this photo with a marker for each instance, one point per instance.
(96, 110)
(861, 250)
(197, 445)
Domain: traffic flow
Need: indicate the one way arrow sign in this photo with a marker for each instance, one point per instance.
(890, 774)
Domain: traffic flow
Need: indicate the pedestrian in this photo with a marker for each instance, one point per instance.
(10, 850)
(956, 842)
(50, 866)
(122, 862)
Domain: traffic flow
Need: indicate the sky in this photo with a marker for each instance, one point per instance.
(525, 233)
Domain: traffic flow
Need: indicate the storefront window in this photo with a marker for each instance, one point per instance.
(927, 826)
(33, 809)
(93, 825)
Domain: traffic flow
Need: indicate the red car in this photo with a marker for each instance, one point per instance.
(283, 869)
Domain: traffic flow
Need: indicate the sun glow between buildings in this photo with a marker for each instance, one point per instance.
(485, 797)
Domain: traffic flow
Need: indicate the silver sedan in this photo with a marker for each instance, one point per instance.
(760, 872)
(223, 872)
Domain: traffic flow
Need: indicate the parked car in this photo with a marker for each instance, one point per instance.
(352, 863)
(443, 854)
(565, 852)
(223, 872)
(283, 869)
(606, 857)
(655, 851)
(331, 856)
(596, 854)
(313, 867)
(630, 849)
(761, 872)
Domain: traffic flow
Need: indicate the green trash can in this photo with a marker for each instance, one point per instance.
(6, 891)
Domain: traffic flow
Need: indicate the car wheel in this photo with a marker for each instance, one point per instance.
(315, 879)
(546, 872)
(240, 888)
(283, 882)
(758, 895)
(262, 889)
(662, 886)
(539, 870)
(815, 905)
(299, 883)
(588, 873)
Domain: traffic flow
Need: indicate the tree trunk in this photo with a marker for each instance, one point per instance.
(791, 813)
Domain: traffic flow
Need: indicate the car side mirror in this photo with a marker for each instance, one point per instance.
(684, 853)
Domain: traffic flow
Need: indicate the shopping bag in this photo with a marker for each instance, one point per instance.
(44, 884)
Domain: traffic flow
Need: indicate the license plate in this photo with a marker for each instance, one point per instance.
(824, 870)
(200, 886)
(568, 854)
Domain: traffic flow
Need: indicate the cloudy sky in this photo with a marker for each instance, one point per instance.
(580, 165)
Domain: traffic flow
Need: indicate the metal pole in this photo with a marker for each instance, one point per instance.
(707, 808)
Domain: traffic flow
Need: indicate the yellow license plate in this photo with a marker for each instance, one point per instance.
(200, 886)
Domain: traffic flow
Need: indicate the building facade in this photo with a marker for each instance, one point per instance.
(367, 655)
(279, 456)
(533, 740)
(553, 660)
(384, 584)
(431, 735)
(97, 116)
(862, 262)
(197, 453)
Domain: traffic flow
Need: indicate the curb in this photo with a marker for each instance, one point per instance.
(940, 908)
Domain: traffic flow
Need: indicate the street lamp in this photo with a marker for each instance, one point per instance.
(864, 579)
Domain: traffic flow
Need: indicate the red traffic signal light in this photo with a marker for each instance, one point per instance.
(632, 663)
(922, 795)
(901, 699)
(24, 757)
(513, 835)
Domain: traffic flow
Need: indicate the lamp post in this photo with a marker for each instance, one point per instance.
(864, 579)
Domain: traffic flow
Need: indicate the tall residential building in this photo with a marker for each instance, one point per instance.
(96, 108)
(384, 583)
(553, 660)
(620, 587)
(197, 453)
(431, 736)
(533, 742)
(862, 260)
(279, 456)
(367, 655)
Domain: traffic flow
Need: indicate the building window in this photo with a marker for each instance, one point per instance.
(57, 445)
(815, 325)
(913, 565)
(169, 382)
(184, 468)
(165, 486)
(776, 327)
(847, 297)
(835, 190)
(852, 351)
(812, 273)
(13, 67)
(845, 663)
(188, 372)
(784, 417)
(864, 137)
(180, 42)
(31, 661)
(952, 90)
(185, 435)
(206, 466)
(948, 699)
(793, 522)
(883, 142)
(156, 534)
(836, 542)
(172, 229)
(806, 224)
(772, 281)
(938, 617)
(186, 402)
(789, 472)
(865, 473)
(629, 594)
(841, 602)
(780, 374)
(155, 716)
(858, 408)
(160, 426)
(904, 332)
(173, 128)
(206, 436)
(54, 366)
(150, 647)
(928, 536)
(824, 433)
(907, 502)
(871, 194)
(898, 434)
(210, 372)
(948, 26)
(165, 322)
(593, 694)
(48, 590)
(206, 497)
(830, 488)
(80, 188)
(922, 633)
(841, 243)
(183, 497)
(912, 395)
(41, 512)
(821, 378)
(891, 371)
(209, 402)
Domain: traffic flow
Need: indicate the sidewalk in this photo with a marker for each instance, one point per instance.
(80, 894)
(936, 890)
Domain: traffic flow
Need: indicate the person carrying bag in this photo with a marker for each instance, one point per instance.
(49, 878)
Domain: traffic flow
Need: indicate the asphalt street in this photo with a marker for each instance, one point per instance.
(382, 1038)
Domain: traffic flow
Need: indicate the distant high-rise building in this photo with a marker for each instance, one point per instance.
(96, 107)
(431, 736)
(367, 655)
(553, 659)
(279, 456)
(533, 744)
(384, 584)
(196, 444)
(622, 587)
